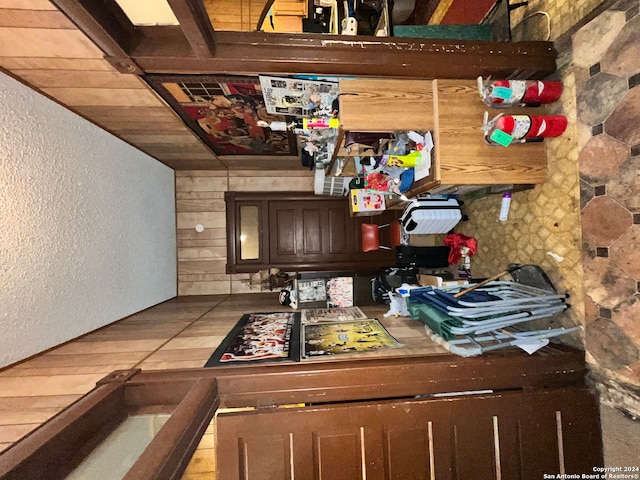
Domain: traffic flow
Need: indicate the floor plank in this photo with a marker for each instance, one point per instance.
(108, 347)
(13, 433)
(49, 360)
(179, 355)
(38, 386)
(48, 401)
(27, 416)
(75, 370)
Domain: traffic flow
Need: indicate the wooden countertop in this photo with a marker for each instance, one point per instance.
(461, 154)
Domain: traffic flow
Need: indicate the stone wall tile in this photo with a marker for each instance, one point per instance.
(599, 97)
(607, 284)
(624, 187)
(604, 220)
(601, 157)
(626, 317)
(609, 345)
(622, 58)
(624, 122)
(592, 41)
(625, 252)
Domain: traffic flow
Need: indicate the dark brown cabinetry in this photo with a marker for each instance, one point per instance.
(301, 232)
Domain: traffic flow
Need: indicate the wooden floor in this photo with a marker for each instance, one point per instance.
(180, 333)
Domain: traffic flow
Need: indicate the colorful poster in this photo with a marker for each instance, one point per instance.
(226, 113)
(321, 339)
(260, 337)
(340, 292)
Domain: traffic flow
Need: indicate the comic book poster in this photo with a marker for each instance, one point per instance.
(312, 290)
(260, 337)
(367, 335)
(298, 97)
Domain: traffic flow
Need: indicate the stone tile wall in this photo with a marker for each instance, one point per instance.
(606, 60)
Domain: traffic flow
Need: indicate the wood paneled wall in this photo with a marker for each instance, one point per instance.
(235, 15)
(200, 200)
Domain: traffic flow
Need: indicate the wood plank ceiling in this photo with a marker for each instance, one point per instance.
(40, 46)
(92, 60)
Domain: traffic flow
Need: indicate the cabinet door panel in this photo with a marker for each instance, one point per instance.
(311, 232)
(259, 463)
(282, 231)
(337, 455)
(339, 228)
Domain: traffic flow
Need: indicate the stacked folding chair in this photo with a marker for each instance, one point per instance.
(488, 317)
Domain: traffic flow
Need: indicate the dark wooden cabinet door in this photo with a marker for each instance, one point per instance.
(320, 233)
(313, 232)
(513, 435)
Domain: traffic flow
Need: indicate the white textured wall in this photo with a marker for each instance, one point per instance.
(87, 226)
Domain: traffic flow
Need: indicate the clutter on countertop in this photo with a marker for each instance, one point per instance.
(388, 162)
(299, 97)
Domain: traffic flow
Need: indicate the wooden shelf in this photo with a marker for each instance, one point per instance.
(346, 155)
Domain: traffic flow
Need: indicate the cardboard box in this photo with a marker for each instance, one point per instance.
(423, 240)
(365, 202)
(436, 281)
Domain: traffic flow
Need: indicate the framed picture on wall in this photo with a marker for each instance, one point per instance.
(224, 112)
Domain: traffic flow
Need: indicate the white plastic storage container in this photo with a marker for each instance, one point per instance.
(431, 216)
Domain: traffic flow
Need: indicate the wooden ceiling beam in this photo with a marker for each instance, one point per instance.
(108, 27)
(268, 53)
(196, 25)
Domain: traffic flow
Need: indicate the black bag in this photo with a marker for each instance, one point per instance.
(379, 289)
(356, 183)
(307, 159)
(377, 5)
(426, 257)
(388, 280)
